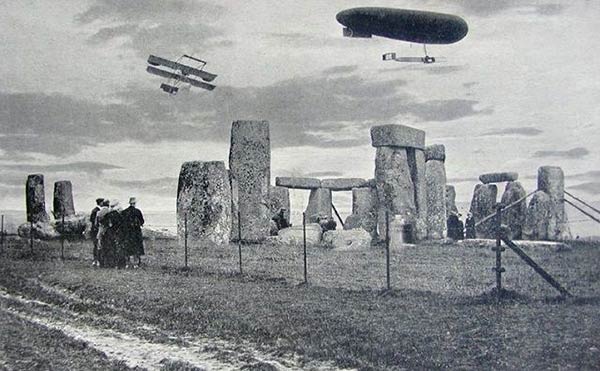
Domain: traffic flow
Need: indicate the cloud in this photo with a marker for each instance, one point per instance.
(470, 84)
(156, 26)
(491, 8)
(591, 188)
(340, 69)
(444, 70)
(524, 131)
(592, 174)
(446, 110)
(574, 153)
(88, 167)
(166, 186)
(325, 174)
(463, 180)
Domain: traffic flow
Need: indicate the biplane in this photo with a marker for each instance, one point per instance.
(178, 73)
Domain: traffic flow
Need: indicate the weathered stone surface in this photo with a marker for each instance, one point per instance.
(294, 235)
(435, 152)
(344, 184)
(435, 174)
(279, 198)
(63, 199)
(204, 196)
(364, 211)
(552, 181)
(233, 186)
(74, 225)
(347, 239)
(498, 177)
(397, 136)
(395, 189)
(483, 204)
(416, 163)
(397, 226)
(514, 217)
(250, 167)
(319, 204)
(451, 200)
(537, 218)
(42, 230)
(298, 183)
(35, 199)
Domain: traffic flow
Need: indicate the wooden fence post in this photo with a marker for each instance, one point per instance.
(304, 243)
(387, 248)
(498, 268)
(31, 236)
(62, 237)
(239, 215)
(185, 239)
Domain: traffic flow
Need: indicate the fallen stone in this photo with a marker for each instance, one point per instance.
(350, 239)
(552, 181)
(435, 174)
(435, 152)
(35, 199)
(74, 225)
(537, 218)
(298, 183)
(364, 211)
(397, 136)
(319, 204)
(514, 217)
(204, 204)
(41, 231)
(395, 189)
(498, 177)
(451, 200)
(250, 166)
(483, 204)
(344, 184)
(63, 199)
(294, 235)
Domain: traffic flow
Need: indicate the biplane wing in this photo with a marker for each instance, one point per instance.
(186, 70)
(184, 79)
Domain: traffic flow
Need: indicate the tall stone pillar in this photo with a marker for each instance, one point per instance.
(319, 204)
(364, 210)
(435, 175)
(35, 200)
(250, 167)
(451, 200)
(514, 217)
(279, 198)
(551, 180)
(63, 199)
(483, 204)
(399, 175)
(204, 199)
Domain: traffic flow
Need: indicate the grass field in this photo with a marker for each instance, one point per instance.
(439, 315)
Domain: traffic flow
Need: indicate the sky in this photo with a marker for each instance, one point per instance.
(520, 91)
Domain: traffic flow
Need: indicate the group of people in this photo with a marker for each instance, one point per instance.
(117, 234)
(459, 231)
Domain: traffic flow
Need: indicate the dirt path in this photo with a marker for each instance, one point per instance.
(203, 353)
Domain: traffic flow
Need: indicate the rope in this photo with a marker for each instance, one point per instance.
(507, 207)
(583, 202)
(583, 211)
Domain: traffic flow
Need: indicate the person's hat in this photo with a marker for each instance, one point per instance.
(114, 203)
(132, 200)
(105, 202)
(99, 201)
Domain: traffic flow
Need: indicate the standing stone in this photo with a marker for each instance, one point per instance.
(364, 211)
(204, 195)
(417, 164)
(537, 217)
(35, 199)
(279, 198)
(319, 205)
(483, 204)
(250, 166)
(435, 175)
(63, 199)
(514, 217)
(451, 200)
(552, 181)
(395, 188)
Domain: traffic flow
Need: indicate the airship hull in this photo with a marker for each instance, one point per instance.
(403, 24)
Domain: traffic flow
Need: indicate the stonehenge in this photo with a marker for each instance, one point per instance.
(483, 204)
(35, 199)
(63, 199)
(498, 177)
(250, 169)
(435, 177)
(319, 205)
(204, 204)
(514, 217)
(364, 211)
(451, 200)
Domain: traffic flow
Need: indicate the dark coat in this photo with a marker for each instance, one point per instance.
(111, 252)
(133, 220)
(94, 229)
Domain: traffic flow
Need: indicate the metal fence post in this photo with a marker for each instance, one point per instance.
(304, 243)
(499, 270)
(185, 243)
(239, 215)
(2, 234)
(31, 236)
(387, 248)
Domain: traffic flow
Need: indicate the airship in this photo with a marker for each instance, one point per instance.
(415, 26)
